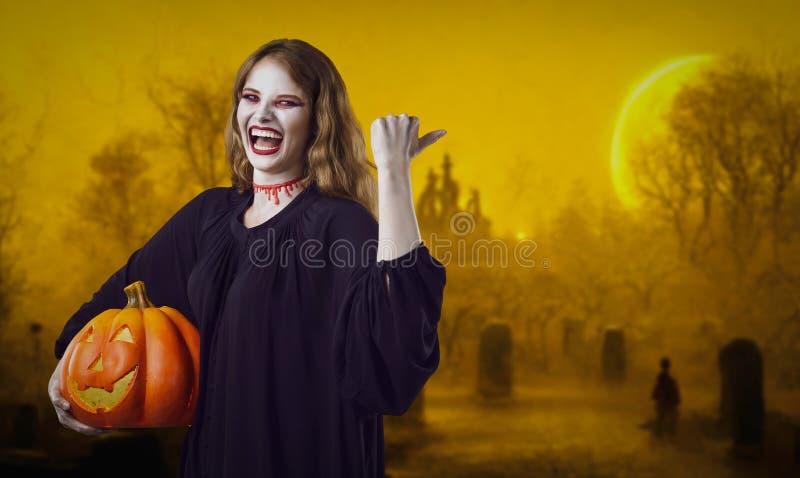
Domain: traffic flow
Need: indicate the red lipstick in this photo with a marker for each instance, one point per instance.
(260, 151)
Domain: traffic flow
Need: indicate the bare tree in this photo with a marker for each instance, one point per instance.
(195, 110)
(579, 256)
(13, 156)
(779, 150)
(729, 158)
(116, 210)
(663, 174)
(725, 177)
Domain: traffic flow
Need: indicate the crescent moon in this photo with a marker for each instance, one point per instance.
(660, 86)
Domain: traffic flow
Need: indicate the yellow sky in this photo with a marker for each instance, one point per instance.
(536, 82)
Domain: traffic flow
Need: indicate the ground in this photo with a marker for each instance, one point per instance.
(569, 431)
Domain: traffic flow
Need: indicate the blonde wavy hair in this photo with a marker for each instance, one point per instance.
(336, 156)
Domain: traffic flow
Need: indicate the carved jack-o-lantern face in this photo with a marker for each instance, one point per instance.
(107, 361)
(115, 378)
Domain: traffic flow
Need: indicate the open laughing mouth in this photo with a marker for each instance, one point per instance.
(264, 140)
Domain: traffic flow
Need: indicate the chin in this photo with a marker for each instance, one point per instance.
(263, 162)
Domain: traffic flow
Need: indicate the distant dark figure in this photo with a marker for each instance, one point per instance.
(667, 398)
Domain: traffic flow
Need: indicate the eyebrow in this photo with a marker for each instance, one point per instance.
(283, 95)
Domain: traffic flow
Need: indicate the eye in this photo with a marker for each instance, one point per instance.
(90, 336)
(248, 97)
(124, 335)
(290, 103)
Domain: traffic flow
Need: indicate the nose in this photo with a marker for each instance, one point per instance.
(97, 366)
(264, 113)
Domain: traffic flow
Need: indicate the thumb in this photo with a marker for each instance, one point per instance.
(429, 139)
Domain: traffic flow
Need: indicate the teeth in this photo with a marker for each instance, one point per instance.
(265, 134)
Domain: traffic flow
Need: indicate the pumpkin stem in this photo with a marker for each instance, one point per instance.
(137, 296)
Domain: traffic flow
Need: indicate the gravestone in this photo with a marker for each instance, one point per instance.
(18, 425)
(573, 341)
(25, 424)
(494, 361)
(742, 394)
(613, 355)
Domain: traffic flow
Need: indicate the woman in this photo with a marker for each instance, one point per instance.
(310, 329)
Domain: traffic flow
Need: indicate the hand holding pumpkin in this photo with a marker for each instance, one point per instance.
(113, 378)
(62, 407)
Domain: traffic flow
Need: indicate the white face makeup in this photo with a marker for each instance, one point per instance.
(274, 117)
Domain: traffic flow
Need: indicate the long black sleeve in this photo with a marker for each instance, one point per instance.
(163, 264)
(387, 345)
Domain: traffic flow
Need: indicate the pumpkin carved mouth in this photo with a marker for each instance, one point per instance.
(98, 400)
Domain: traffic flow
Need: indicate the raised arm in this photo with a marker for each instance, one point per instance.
(394, 145)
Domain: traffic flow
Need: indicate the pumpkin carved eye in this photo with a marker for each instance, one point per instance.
(90, 336)
(124, 335)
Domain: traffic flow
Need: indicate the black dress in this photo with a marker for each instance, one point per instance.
(302, 349)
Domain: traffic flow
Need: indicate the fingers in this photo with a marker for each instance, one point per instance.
(392, 121)
(61, 403)
(430, 138)
(399, 135)
(68, 421)
(379, 123)
(54, 390)
(61, 406)
(58, 400)
(412, 123)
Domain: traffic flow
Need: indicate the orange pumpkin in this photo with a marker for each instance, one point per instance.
(133, 367)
